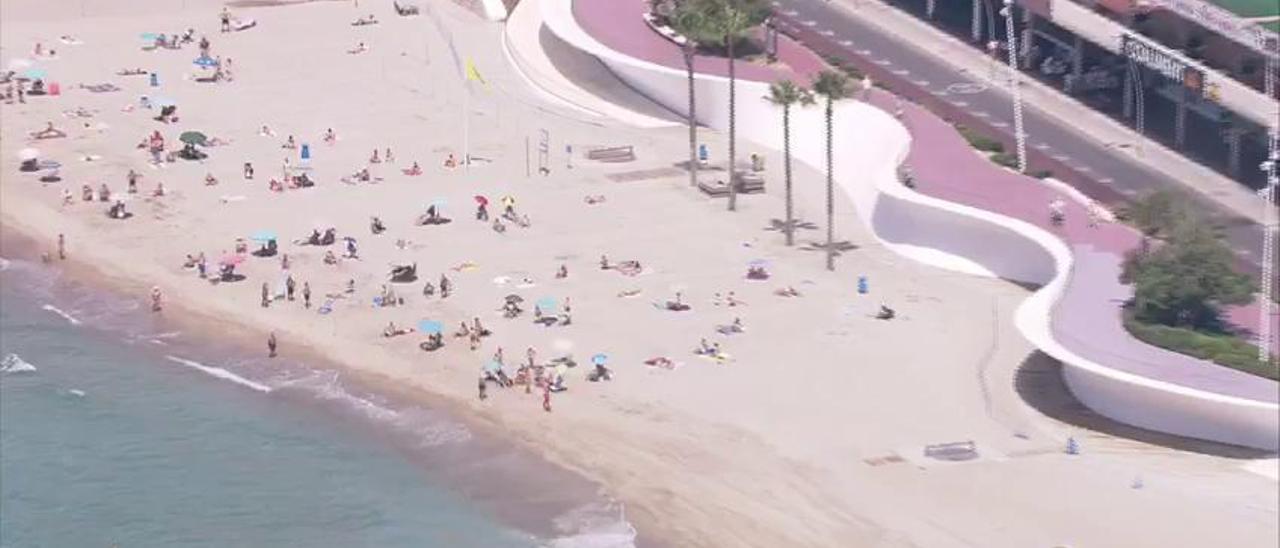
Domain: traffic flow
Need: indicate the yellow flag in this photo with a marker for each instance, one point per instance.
(472, 73)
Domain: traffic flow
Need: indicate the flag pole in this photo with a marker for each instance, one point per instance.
(466, 125)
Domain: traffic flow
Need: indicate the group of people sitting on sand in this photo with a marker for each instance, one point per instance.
(473, 333)
(628, 268)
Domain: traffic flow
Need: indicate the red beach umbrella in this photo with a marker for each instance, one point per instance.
(482, 200)
(231, 259)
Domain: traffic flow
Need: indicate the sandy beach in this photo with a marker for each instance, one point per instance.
(809, 434)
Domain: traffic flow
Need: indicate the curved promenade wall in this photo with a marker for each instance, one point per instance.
(871, 146)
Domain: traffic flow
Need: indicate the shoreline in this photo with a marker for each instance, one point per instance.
(517, 497)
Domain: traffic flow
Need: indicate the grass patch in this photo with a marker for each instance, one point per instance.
(979, 142)
(1220, 348)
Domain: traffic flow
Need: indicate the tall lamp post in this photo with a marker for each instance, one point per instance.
(1018, 134)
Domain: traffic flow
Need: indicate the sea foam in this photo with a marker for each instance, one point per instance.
(221, 374)
(595, 525)
(426, 428)
(71, 319)
(13, 363)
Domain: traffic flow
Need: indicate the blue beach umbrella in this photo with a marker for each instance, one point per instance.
(205, 62)
(263, 236)
(493, 367)
(599, 359)
(430, 327)
(547, 303)
(35, 73)
(149, 36)
(439, 202)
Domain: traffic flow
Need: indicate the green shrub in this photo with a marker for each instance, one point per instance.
(1222, 349)
(1006, 159)
(979, 142)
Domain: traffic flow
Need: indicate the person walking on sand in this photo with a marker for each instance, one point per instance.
(225, 17)
(156, 298)
(445, 286)
(284, 261)
(271, 345)
(133, 181)
(497, 356)
(306, 295)
(289, 286)
(546, 397)
(62, 247)
(266, 301)
(481, 386)
(248, 170)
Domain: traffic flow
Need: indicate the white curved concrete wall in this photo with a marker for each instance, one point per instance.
(870, 147)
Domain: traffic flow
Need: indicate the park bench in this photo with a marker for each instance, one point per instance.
(612, 154)
(955, 451)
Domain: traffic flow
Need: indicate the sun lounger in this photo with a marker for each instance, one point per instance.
(960, 450)
(612, 154)
(748, 183)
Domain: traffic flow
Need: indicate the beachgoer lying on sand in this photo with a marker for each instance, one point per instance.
(210, 180)
(450, 162)
(786, 292)
(117, 211)
(392, 331)
(131, 72)
(732, 300)
(511, 310)
(360, 48)
(49, 132)
(757, 273)
(275, 185)
(730, 329)
(678, 305)
(660, 361)
(498, 226)
(414, 171)
(159, 191)
(69, 40)
(330, 137)
(594, 199)
(885, 313)
(435, 341)
(266, 131)
(376, 226)
(370, 20)
(289, 143)
(562, 272)
(330, 258)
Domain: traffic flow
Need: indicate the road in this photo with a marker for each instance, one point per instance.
(859, 43)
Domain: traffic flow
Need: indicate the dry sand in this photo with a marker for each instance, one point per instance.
(810, 436)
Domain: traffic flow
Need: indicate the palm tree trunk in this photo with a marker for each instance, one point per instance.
(693, 119)
(733, 140)
(786, 161)
(831, 207)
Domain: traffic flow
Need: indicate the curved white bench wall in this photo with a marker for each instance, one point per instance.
(871, 146)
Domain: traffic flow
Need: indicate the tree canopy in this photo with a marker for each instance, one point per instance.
(715, 21)
(1185, 280)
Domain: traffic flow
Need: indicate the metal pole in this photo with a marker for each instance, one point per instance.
(1018, 134)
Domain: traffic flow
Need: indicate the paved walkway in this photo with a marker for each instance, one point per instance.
(1087, 320)
(619, 25)
(1087, 149)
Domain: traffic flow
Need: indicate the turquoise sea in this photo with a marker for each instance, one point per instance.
(116, 431)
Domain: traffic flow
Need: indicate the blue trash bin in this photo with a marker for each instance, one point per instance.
(155, 80)
(306, 151)
(862, 285)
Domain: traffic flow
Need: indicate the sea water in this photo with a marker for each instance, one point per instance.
(113, 433)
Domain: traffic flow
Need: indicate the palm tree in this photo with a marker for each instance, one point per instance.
(832, 86)
(785, 94)
(732, 23)
(690, 23)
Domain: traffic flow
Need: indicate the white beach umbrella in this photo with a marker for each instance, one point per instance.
(28, 154)
(19, 64)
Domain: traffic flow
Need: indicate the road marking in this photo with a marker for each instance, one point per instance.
(901, 72)
(882, 62)
(827, 32)
(999, 124)
(1128, 191)
(921, 83)
(959, 103)
(1084, 169)
(966, 88)
(863, 52)
(1106, 180)
(1061, 157)
(846, 43)
(938, 92)
(1042, 146)
(980, 114)
(810, 23)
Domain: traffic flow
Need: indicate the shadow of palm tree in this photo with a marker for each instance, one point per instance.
(779, 225)
(1039, 382)
(707, 167)
(841, 247)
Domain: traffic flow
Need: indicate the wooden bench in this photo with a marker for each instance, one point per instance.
(748, 183)
(612, 154)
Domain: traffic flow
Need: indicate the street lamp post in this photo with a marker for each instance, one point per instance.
(1019, 135)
